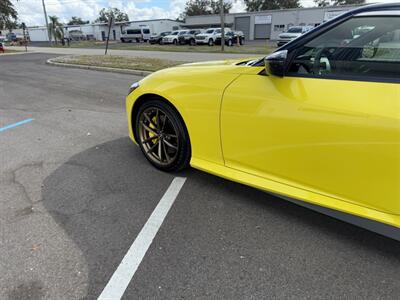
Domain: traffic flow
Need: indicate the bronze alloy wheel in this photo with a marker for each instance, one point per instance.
(158, 136)
(162, 135)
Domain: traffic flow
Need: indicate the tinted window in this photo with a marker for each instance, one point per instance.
(133, 31)
(210, 31)
(360, 47)
(175, 33)
(295, 30)
(146, 31)
(165, 33)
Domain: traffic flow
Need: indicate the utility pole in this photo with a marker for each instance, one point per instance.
(221, 4)
(110, 23)
(47, 21)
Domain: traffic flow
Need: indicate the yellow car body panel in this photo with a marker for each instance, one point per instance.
(333, 143)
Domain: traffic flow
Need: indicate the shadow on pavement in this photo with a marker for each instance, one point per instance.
(103, 196)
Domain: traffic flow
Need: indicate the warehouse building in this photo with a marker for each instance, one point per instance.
(270, 23)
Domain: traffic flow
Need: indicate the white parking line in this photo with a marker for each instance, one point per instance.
(119, 281)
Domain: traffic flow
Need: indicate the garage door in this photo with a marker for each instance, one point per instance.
(243, 24)
(262, 31)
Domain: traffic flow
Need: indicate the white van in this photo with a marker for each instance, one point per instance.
(137, 34)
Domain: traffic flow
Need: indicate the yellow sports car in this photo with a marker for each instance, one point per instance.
(316, 122)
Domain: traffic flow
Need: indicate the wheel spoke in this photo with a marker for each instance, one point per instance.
(150, 139)
(148, 128)
(157, 120)
(170, 145)
(150, 120)
(159, 151)
(165, 121)
(166, 152)
(152, 147)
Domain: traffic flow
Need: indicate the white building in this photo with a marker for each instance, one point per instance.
(99, 31)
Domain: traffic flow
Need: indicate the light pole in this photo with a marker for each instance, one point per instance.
(47, 22)
(221, 4)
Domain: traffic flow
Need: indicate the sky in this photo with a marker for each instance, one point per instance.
(31, 11)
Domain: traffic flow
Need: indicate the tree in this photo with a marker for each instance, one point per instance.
(8, 15)
(56, 29)
(216, 7)
(106, 14)
(77, 21)
(323, 3)
(258, 5)
(204, 7)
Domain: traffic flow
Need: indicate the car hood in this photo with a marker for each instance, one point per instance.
(288, 35)
(170, 36)
(234, 66)
(216, 63)
(203, 34)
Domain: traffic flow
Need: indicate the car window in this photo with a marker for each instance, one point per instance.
(360, 47)
(165, 33)
(182, 32)
(175, 33)
(133, 31)
(295, 30)
(218, 31)
(146, 31)
(210, 31)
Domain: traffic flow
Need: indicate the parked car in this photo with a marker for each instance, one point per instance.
(76, 35)
(189, 37)
(11, 37)
(209, 36)
(231, 38)
(292, 33)
(157, 38)
(138, 34)
(173, 38)
(322, 115)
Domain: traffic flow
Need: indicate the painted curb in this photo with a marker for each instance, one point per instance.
(96, 68)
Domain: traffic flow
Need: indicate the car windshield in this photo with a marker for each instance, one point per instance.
(218, 31)
(182, 32)
(175, 33)
(165, 33)
(295, 30)
(210, 31)
(192, 32)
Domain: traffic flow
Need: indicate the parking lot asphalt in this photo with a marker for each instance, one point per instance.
(75, 192)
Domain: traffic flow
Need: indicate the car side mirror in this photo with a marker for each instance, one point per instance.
(275, 64)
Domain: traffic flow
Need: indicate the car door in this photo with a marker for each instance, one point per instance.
(332, 124)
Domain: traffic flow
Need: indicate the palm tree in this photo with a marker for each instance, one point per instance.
(55, 29)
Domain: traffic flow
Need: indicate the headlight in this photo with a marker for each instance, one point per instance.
(133, 87)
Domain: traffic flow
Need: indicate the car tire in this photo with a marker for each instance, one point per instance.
(175, 42)
(210, 42)
(137, 40)
(192, 42)
(230, 43)
(165, 145)
(161, 42)
(122, 40)
(241, 41)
